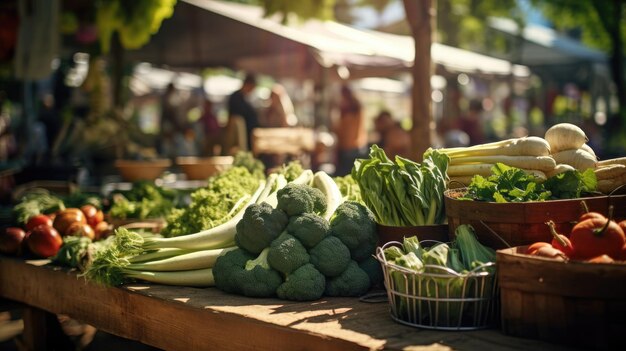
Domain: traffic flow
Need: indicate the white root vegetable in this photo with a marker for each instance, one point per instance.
(188, 261)
(526, 146)
(607, 186)
(542, 163)
(588, 148)
(195, 278)
(577, 158)
(612, 161)
(565, 136)
(560, 168)
(610, 171)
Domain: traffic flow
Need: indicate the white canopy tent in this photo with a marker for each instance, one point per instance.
(204, 33)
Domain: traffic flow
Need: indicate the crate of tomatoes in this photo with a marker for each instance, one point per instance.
(571, 290)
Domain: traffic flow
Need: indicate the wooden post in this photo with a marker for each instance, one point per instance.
(421, 17)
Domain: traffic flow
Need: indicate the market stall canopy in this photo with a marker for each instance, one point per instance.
(544, 46)
(204, 33)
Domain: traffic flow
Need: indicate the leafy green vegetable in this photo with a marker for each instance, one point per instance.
(33, 204)
(247, 160)
(214, 204)
(143, 200)
(349, 188)
(572, 184)
(510, 184)
(403, 192)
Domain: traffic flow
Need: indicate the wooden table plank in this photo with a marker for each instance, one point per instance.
(175, 318)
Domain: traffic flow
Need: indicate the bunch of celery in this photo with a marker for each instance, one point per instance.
(403, 192)
(430, 283)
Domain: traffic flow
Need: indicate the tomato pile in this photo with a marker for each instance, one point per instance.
(595, 238)
(43, 234)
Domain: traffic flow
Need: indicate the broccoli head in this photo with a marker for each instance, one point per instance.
(354, 225)
(351, 282)
(331, 257)
(260, 225)
(295, 199)
(372, 267)
(286, 254)
(309, 228)
(239, 272)
(304, 284)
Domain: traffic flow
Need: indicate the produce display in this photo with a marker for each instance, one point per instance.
(299, 235)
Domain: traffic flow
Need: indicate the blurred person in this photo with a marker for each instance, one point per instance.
(350, 131)
(279, 113)
(239, 105)
(393, 138)
(172, 128)
(210, 127)
(471, 123)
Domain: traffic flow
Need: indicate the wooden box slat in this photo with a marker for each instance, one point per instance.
(573, 303)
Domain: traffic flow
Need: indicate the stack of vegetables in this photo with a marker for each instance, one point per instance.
(563, 149)
(43, 222)
(532, 154)
(569, 149)
(441, 285)
(401, 192)
(611, 174)
(308, 245)
(595, 238)
(255, 232)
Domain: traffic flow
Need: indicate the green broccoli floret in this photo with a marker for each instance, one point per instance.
(304, 284)
(372, 267)
(309, 228)
(260, 225)
(354, 225)
(295, 199)
(351, 282)
(331, 257)
(286, 254)
(241, 273)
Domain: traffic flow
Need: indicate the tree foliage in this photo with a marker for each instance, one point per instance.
(135, 21)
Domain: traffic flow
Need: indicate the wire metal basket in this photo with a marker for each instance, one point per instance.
(440, 298)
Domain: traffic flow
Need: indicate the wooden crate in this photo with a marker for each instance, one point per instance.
(574, 303)
(522, 223)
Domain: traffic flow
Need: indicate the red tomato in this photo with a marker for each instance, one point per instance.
(37, 220)
(80, 229)
(11, 240)
(66, 218)
(92, 214)
(44, 241)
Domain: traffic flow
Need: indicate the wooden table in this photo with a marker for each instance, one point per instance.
(175, 318)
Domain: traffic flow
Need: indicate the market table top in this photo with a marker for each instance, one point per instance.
(180, 318)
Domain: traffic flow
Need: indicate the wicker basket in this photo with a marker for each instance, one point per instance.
(574, 303)
(441, 299)
(502, 225)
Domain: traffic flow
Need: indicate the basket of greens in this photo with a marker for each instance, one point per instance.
(445, 286)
